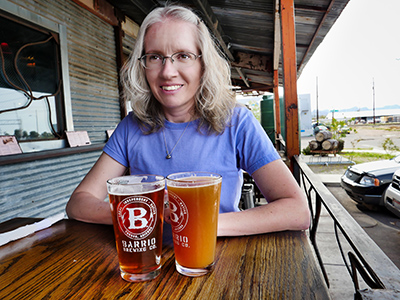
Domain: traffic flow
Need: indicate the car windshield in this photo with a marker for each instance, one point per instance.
(397, 159)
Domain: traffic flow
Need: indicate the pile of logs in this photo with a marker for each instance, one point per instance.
(323, 142)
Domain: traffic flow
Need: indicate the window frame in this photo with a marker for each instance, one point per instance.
(60, 29)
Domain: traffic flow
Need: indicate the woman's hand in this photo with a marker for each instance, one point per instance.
(167, 212)
(87, 202)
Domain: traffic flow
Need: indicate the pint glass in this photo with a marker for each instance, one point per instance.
(137, 208)
(194, 205)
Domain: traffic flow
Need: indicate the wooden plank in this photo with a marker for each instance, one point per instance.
(290, 79)
(102, 9)
(118, 33)
(79, 260)
(277, 36)
(277, 104)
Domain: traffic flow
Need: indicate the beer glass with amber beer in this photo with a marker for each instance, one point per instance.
(194, 205)
(137, 208)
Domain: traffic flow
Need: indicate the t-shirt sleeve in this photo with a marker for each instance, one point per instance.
(116, 147)
(253, 145)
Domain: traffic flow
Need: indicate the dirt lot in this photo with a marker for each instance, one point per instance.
(371, 137)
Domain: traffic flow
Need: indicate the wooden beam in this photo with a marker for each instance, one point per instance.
(290, 79)
(118, 34)
(251, 61)
(212, 23)
(254, 86)
(277, 103)
(277, 36)
(277, 53)
(242, 77)
(309, 8)
(316, 33)
(100, 8)
(145, 6)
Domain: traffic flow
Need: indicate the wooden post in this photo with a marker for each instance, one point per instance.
(277, 54)
(277, 105)
(290, 79)
(118, 34)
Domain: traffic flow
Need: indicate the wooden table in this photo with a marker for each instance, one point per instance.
(76, 260)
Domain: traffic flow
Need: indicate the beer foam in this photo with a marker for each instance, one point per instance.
(194, 181)
(126, 190)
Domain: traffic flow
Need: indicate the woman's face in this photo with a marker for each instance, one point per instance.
(172, 86)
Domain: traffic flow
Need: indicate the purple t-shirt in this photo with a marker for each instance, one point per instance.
(243, 145)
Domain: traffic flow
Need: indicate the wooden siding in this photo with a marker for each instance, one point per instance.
(41, 188)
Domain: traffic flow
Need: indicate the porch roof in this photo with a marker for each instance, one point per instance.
(248, 31)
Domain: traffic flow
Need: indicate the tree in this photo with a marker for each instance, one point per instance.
(33, 135)
(46, 135)
(389, 146)
(18, 133)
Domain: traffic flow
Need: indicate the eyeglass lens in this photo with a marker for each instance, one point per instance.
(181, 59)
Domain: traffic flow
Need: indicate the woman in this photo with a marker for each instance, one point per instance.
(185, 118)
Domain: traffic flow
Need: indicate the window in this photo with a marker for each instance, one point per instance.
(34, 96)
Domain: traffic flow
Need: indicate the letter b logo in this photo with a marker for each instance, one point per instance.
(136, 216)
(136, 219)
(179, 212)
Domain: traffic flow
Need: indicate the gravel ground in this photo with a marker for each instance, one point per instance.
(329, 169)
(371, 137)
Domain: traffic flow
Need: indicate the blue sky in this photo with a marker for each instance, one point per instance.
(362, 47)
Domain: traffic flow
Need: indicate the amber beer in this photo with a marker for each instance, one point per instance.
(137, 207)
(194, 205)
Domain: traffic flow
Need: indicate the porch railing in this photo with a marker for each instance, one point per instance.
(365, 258)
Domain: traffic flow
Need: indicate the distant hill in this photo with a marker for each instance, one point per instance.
(324, 112)
(395, 106)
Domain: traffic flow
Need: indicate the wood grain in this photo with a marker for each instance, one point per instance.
(75, 260)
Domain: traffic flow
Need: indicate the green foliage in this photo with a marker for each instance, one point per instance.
(254, 106)
(389, 146)
(306, 151)
(335, 128)
(361, 157)
(355, 142)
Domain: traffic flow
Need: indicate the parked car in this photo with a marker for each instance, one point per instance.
(392, 195)
(320, 128)
(366, 183)
(344, 129)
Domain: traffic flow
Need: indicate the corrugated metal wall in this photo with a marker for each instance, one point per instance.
(41, 188)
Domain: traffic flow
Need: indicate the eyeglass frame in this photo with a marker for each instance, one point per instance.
(164, 58)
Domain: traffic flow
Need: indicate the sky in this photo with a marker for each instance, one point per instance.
(361, 51)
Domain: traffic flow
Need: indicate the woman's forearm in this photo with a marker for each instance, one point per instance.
(285, 214)
(85, 207)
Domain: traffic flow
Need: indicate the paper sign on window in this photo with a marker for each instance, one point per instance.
(78, 138)
(9, 145)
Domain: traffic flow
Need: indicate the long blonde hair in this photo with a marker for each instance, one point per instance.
(214, 99)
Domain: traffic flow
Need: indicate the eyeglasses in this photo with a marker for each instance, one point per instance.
(180, 59)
